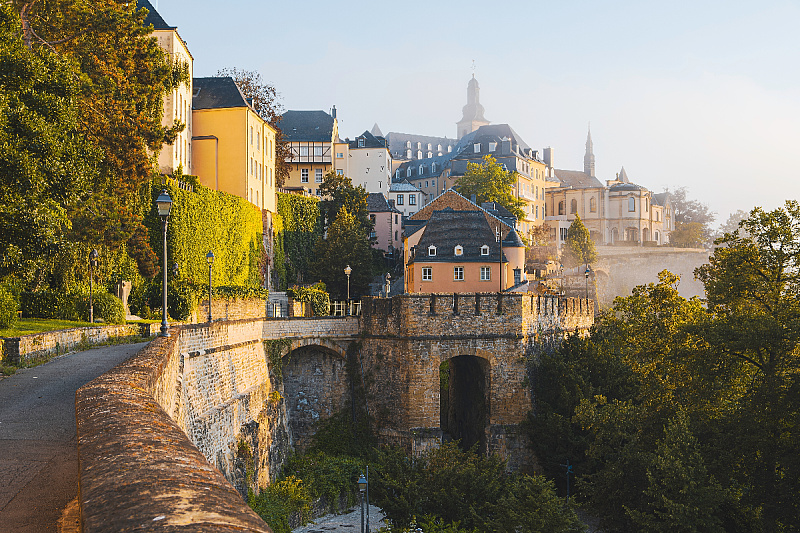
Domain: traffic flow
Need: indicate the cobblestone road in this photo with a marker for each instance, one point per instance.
(350, 521)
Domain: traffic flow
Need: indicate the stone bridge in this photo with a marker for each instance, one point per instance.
(244, 393)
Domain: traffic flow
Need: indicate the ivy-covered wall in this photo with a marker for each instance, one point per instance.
(205, 220)
(296, 229)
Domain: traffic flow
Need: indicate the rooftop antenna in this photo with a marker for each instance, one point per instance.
(473, 68)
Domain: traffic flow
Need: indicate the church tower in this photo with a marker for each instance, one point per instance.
(473, 112)
(588, 159)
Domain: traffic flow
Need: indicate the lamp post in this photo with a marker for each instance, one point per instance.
(347, 271)
(175, 271)
(92, 265)
(164, 206)
(362, 486)
(210, 261)
(587, 274)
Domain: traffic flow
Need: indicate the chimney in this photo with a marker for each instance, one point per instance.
(333, 112)
(548, 157)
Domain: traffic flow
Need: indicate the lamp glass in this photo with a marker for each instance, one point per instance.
(164, 204)
(210, 257)
(362, 483)
(347, 270)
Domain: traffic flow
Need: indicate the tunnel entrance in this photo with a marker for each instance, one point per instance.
(464, 400)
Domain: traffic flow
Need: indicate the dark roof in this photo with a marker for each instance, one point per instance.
(397, 143)
(310, 126)
(403, 186)
(376, 203)
(217, 92)
(370, 141)
(152, 16)
(661, 198)
(512, 240)
(576, 179)
(447, 229)
(492, 133)
(626, 187)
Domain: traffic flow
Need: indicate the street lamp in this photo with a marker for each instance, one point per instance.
(92, 265)
(164, 206)
(210, 261)
(587, 274)
(362, 486)
(347, 272)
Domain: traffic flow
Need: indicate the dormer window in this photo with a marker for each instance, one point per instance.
(459, 250)
(476, 148)
(408, 172)
(431, 251)
(433, 167)
(421, 170)
(492, 147)
(361, 142)
(485, 249)
(408, 144)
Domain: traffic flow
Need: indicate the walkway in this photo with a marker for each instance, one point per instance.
(38, 454)
(351, 521)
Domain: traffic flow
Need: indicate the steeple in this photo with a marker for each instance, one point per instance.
(473, 112)
(588, 159)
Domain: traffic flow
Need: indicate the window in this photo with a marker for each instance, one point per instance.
(318, 175)
(408, 154)
(476, 148)
(258, 139)
(251, 135)
(430, 154)
(573, 206)
(397, 174)
(426, 183)
(340, 172)
(449, 149)
(395, 235)
(429, 146)
(303, 175)
(433, 167)
(492, 147)
(647, 204)
(561, 207)
(458, 273)
(439, 149)
(419, 145)
(486, 273)
(412, 199)
(564, 233)
(592, 205)
(304, 151)
(427, 274)
(408, 144)
(459, 250)
(419, 154)
(361, 142)
(421, 170)
(399, 199)
(396, 222)
(408, 172)
(431, 250)
(318, 151)
(631, 204)
(485, 249)
(339, 155)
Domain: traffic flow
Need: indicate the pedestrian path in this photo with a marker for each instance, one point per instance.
(350, 521)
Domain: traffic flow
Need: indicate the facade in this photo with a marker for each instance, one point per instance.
(369, 163)
(617, 212)
(388, 222)
(406, 198)
(178, 103)
(234, 148)
(313, 138)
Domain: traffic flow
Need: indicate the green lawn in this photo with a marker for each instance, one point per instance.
(26, 326)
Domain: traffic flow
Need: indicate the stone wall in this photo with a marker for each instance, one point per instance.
(229, 309)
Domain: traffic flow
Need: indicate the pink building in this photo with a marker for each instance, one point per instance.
(388, 223)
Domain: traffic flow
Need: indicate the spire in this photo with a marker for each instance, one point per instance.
(473, 112)
(588, 159)
(376, 131)
(623, 176)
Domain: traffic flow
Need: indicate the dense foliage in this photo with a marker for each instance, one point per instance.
(73, 305)
(338, 191)
(679, 417)
(9, 308)
(692, 221)
(579, 249)
(490, 182)
(315, 295)
(296, 228)
(345, 244)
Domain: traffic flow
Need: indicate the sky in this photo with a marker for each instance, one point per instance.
(702, 94)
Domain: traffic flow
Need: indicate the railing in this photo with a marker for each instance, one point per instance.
(277, 310)
(348, 308)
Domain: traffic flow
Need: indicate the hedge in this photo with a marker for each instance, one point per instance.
(320, 300)
(296, 229)
(183, 298)
(8, 308)
(72, 306)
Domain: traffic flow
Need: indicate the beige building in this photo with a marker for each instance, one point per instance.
(313, 138)
(617, 212)
(234, 148)
(178, 103)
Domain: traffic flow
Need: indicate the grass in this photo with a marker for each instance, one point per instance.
(27, 326)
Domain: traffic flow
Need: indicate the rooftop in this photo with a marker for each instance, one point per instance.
(310, 126)
(217, 92)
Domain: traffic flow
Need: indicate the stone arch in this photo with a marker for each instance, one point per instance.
(465, 397)
(315, 386)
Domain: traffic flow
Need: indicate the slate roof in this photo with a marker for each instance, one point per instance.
(370, 141)
(377, 203)
(661, 198)
(153, 17)
(309, 126)
(513, 240)
(626, 187)
(447, 229)
(217, 92)
(491, 132)
(397, 143)
(576, 179)
(403, 186)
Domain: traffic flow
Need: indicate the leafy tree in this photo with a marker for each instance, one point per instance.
(46, 166)
(579, 248)
(692, 220)
(345, 244)
(490, 182)
(266, 102)
(689, 235)
(732, 224)
(337, 191)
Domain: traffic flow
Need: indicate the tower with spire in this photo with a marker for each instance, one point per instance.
(588, 159)
(473, 112)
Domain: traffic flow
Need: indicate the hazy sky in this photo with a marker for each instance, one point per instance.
(702, 94)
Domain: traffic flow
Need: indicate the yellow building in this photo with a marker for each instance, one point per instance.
(313, 139)
(234, 148)
(178, 103)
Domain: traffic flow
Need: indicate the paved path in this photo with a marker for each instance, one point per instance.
(38, 454)
(351, 521)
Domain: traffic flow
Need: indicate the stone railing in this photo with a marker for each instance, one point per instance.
(138, 468)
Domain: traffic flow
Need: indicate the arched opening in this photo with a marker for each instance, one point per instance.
(464, 400)
(315, 387)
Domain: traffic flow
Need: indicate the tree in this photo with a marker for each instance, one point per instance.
(46, 166)
(266, 102)
(337, 191)
(732, 224)
(541, 248)
(490, 182)
(692, 220)
(579, 248)
(345, 244)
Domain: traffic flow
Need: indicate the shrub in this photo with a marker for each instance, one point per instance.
(109, 308)
(52, 304)
(316, 295)
(8, 308)
(278, 501)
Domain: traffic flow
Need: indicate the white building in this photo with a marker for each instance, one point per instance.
(406, 198)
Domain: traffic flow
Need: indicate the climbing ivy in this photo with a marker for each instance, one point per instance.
(296, 230)
(274, 349)
(320, 300)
